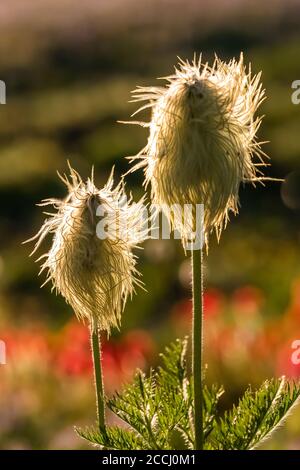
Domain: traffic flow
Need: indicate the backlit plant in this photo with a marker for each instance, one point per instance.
(202, 145)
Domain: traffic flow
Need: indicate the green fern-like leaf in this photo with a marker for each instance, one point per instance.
(115, 438)
(156, 406)
(158, 411)
(256, 416)
(138, 405)
(211, 396)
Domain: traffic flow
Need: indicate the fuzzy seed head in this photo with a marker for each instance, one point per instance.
(202, 139)
(94, 275)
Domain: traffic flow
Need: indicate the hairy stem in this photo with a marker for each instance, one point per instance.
(100, 399)
(197, 338)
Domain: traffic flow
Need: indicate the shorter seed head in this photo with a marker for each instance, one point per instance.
(94, 273)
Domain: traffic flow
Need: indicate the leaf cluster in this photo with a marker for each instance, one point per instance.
(157, 411)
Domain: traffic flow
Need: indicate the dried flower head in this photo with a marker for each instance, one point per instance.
(90, 261)
(202, 141)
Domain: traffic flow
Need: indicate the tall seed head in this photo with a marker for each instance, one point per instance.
(94, 275)
(202, 140)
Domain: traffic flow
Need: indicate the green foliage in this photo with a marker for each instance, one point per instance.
(115, 438)
(158, 411)
(257, 415)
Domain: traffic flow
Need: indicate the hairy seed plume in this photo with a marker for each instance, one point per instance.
(202, 139)
(94, 270)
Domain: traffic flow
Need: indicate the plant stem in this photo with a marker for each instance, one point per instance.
(197, 338)
(96, 351)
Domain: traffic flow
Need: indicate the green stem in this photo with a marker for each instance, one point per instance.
(197, 280)
(96, 351)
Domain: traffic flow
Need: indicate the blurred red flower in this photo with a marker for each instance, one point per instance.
(26, 342)
(213, 305)
(247, 300)
(120, 357)
(73, 351)
(284, 364)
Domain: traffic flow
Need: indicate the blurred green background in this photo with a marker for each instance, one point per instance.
(69, 67)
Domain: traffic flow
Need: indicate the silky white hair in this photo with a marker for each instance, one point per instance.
(94, 275)
(202, 140)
